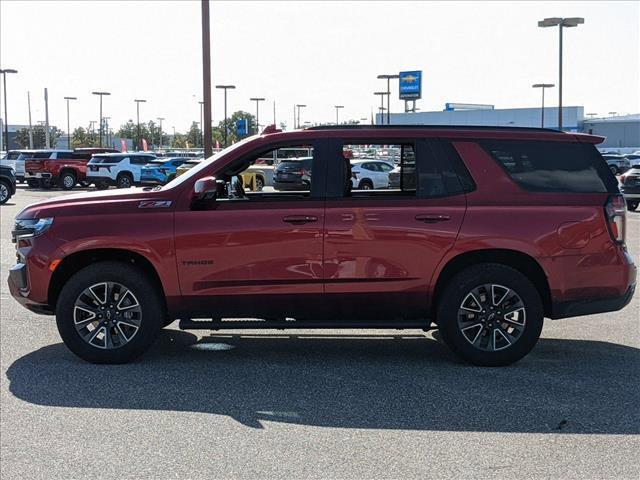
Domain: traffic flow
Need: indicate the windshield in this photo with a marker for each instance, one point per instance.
(195, 171)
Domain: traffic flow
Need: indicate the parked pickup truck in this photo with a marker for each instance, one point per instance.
(64, 168)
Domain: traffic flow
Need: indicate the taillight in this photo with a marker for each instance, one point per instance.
(615, 210)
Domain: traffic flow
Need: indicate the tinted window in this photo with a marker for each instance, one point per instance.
(106, 159)
(41, 155)
(553, 166)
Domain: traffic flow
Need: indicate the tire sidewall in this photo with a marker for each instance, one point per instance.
(153, 314)
(62, 182)
(6, 186)
(461, 284)
(121, 177)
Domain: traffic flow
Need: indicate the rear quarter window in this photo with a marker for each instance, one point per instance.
(553, 166)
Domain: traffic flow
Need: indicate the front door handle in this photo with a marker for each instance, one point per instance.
(300, 219)
(425, 218)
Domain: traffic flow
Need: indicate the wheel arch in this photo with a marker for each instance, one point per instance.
(76, 261)
(524, 263)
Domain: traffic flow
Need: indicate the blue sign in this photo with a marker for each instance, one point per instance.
(411, 85)
(241, 127)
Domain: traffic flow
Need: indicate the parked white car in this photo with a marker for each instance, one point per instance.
(120, 169)
(15, 159)
(367, 174)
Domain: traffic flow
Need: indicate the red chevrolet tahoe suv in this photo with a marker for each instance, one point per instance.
(489, 231)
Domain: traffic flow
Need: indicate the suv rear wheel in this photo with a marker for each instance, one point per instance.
(365, 185)
(490, 315)
(124, 180)
(109, 312)
(67, 180)
(632, 204)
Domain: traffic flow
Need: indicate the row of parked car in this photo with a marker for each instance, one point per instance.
(619, 163)
(101, 167)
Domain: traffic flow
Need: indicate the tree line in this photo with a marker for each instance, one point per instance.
(150, 131)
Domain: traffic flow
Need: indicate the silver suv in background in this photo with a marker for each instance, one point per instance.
(617, 163)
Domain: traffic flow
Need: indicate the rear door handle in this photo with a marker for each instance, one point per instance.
(299, 219)
(426, 218)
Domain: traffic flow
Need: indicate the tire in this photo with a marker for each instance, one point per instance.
(365, 185)
(614, 169)
(149, 313)
(632, 205)
(34, 183)
(499, 347)
(67, 180)
(5, 192)
(124, 180)
(102, 185)
(46, 184)
(259, 184)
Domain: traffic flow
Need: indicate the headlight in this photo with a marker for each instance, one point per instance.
(29, 228)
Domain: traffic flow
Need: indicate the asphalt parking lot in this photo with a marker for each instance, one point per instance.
(330, 404)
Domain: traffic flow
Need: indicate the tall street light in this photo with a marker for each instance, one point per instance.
(160, 119)
(201, 115)
(138, 102)
(68, 128)
(257, 100)
(543, 86)
(100, 94)
(561, 23)
(382, 109)
(107, 130)
(226, 126)
(388, 78)
(6, 122)
(337, 107)
(298, 107)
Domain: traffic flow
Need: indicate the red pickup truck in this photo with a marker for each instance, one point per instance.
(65, 168)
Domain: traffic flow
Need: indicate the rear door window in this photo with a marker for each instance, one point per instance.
(553, 166)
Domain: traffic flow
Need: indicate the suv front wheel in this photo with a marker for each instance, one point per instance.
(109, 312)
(490, 315)
(67, 180)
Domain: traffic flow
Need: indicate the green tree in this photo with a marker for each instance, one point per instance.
(179, 141)
(232, 131)
(193, 138)
(39, 136)
(130, 130)
(84, 138)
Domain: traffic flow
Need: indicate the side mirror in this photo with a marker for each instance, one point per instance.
(207, 188)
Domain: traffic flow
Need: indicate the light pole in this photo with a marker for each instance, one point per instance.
(298, 107)
(107, 130)
(560, 23)
(382, 94)
(206, 79)
(388, 78)
(6, 122)
(100, 94)
(68, 128)
(201, 115)
(257, 100)
(337, 107)
(138, 102)
(160, 119)
(543, 86)
(226, 126)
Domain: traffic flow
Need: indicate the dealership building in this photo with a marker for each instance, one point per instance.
(622, 132)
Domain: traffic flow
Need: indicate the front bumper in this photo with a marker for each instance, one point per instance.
(19, 289)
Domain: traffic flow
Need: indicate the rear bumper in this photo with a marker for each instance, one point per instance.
(152, 181)
(37, 175)
(577, 308)
(96, 179)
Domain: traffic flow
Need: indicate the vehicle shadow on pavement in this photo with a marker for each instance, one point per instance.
(407, 382)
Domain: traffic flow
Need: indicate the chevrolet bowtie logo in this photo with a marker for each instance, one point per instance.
(409, 78)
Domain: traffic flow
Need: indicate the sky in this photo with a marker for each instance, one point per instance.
(316, 53)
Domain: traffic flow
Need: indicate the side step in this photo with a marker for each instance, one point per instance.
(282, 324)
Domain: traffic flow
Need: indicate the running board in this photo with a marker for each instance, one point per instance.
(280, 324)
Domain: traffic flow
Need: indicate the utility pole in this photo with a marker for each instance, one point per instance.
(226, 126)
(46, 119)
(201, 116)
(299, 106)
(338, 107)
(160, 119)
(257, 100)
(206, 79)
(274, 113)
(6, 121)
(138, 102)
(30, 126)
(68, 128)
(388, 78)
(100, 94)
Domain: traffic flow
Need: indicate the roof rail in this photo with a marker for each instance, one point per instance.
(432, 127)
